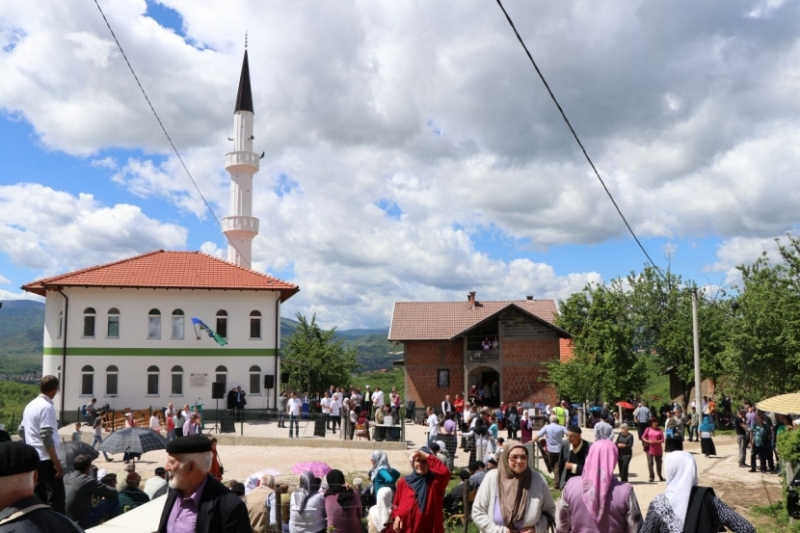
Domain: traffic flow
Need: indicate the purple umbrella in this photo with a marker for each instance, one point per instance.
(319, 470)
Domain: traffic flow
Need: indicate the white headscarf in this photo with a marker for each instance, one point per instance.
(381, 512)
(681, 477)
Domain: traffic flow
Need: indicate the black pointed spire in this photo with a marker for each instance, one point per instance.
(244, 98)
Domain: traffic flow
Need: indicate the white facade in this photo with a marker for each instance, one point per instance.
(136, 350)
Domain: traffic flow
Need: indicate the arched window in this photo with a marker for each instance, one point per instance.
(113, 323)
(60, 323)
(255, 380)
(255, 325)
(177, 324)
(87, 381)
(222, 376)
(177, 381)
(112, 380)
(222, 323)
(154, 324)
(88, 322)
(152, 380)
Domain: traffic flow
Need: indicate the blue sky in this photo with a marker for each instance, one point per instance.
(404, 161)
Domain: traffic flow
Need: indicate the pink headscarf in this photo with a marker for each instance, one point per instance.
(598, 475)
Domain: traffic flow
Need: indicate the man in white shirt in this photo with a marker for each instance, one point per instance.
(433, 425)
(377, 398)
(447, 406)
(40, 430)
(152, 485)
(336, 410)
(293, 407)
(155, 423)
(325, 405)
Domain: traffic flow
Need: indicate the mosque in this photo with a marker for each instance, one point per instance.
(127, 332)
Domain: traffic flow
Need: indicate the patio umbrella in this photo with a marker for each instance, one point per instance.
(783, 404)
(624, 405)
(317, 468)
(527, 405)
(69, 450)
(133, 440)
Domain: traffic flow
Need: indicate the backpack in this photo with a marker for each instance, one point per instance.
(480, 427)
(513, 422)
(702, 516)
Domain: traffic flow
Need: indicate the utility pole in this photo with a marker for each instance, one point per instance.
(696, 335)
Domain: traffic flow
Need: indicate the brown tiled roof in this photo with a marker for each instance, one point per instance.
(447, 320)
(167, 270)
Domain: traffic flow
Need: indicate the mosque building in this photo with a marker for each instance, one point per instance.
(135, 333)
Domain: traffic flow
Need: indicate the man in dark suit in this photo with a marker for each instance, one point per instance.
(195, 499)
(573, 455)
(231, 399)
(240, 401)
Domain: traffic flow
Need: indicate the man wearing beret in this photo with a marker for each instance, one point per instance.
(81, 486)
(20, 510)
(40, 430)
(196, 502)
(573, 455)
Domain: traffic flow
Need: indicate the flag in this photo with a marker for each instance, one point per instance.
(200, 325)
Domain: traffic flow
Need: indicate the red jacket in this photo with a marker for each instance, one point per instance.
(405, 502)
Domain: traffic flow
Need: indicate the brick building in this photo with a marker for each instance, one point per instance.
(445, 352)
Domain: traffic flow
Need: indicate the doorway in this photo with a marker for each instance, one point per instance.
(487, 380)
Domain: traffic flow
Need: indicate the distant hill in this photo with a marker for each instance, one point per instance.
(21, 332)
(22, 323)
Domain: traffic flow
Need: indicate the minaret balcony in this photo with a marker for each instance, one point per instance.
(240, 224)
(242, 161)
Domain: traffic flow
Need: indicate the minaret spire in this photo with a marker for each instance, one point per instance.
(241, 227)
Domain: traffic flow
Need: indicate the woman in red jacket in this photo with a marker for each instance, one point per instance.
(419, 500)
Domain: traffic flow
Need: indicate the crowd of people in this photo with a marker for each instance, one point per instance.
(347, 410)
(499, 490)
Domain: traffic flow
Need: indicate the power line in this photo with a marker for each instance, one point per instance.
(577, 139)
(166, 134)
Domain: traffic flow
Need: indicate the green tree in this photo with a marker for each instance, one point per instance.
(606, 361)
(762, 352)
(314, 359)
(661, 307)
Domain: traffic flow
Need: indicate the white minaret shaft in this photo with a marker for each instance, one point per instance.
(241, 227)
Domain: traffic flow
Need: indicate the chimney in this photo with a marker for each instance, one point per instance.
(529, 298)
(471, 299)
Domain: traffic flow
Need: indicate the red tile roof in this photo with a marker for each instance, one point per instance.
(447, 320)
(167, 270)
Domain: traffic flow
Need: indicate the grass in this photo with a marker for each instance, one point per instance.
(773, 518)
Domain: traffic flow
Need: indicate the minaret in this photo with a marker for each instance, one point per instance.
(241, 227)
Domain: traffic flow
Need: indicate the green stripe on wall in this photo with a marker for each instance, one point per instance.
(175, 352)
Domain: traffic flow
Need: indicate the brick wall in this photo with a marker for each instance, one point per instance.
(523, 368)
(422, 362)
(566, 349)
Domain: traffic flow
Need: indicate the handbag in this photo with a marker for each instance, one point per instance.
(670, 433)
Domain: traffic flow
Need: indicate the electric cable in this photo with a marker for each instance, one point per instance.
(161, 124)
(577, 139)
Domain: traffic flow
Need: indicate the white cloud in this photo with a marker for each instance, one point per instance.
(8, 295)
(50, 231)
(4, 280)
(689, 111)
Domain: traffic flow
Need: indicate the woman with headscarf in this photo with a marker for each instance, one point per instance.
(342, 505)
(419, 502)
(380, 514)
(513, 497)
(596, 501)
(706, 434)
(382, 474)
(526, 427)
(363, 420)
(307, 507)
(686, 508)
